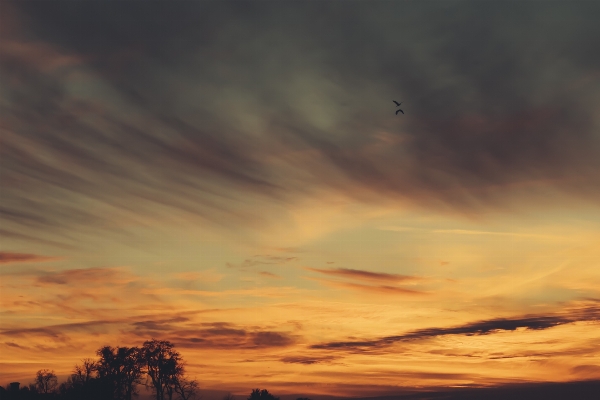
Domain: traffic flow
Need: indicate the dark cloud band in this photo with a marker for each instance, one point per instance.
(192, 105)
(476, 328)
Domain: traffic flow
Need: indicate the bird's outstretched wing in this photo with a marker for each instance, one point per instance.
(399, 111)
(397, 104)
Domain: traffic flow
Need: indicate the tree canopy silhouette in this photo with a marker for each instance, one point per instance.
(121, 369)
(264, 394)
(166, 371)
(45, 381)
(115, 375)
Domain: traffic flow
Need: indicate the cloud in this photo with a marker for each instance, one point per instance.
(12, 344)
(466, 232)
(85, 276)
(232, 338)
(258, 260)
(380, 289)
(209, 275)
(158, 325)
(189, 125)
(272, 291)
(269, 274)
(165, 325)
(376, 277)
(28, 238)
(586, 371)
(364, 275)
(485, 327)
(78, 294)
(223, 329)
(271, 339)
(307, 360)
(497, 389)
(60, 331)
(478, 233)
(9, 258)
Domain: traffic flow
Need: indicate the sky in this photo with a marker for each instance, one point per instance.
(232, 177)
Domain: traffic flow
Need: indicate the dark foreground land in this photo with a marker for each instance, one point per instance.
(581, 390)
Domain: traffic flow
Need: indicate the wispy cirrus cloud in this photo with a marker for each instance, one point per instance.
(85, 276)
(62, 332)
(9, 258)
(307, 360)
(378, 289)
(468, 232)
(221, 335)
(270, 275)
(185, 126)
(377, 282)
(80, 293)
(130, 119)
(586, 371)
(365, 275)
(153, 326)
(182, 329)
(258, 260)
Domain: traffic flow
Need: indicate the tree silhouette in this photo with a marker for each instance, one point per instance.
(45, 381)
(115, 376)
(186, 389)
(84, 372)
(264, 394)
(84, 384)
(166, 371)
(120, 371)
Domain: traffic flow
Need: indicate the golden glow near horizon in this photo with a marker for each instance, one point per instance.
(371, 305)
(283, 230)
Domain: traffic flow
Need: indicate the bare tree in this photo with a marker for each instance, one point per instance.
(82, 384)
(83, 373)
(229, 396)
(45, 381)
(186, 389)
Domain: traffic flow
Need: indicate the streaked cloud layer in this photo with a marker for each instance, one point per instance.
(231, 176)
(534, 322)
(9, 258)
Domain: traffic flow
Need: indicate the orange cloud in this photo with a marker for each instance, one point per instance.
(259, 259)
(215, 335)
(81, 276)
(9, 258)
(269, 274)
(307, 360)
(374, 288)
(586, 371)
(364, 275)
(384, 282)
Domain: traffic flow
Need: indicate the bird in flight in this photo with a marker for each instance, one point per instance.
(398, 105)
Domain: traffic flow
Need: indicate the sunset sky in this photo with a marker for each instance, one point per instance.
(232, 177)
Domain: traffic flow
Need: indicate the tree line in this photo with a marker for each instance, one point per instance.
(117, 374)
